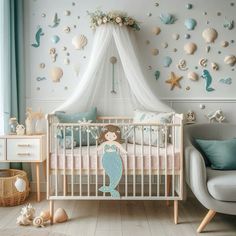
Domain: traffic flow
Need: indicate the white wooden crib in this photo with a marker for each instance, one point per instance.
(150, 172)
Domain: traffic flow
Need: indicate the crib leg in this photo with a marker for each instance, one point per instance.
(168, 189)
(176, 212)
(51, 206)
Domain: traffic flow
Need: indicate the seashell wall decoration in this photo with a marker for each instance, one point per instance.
(187, 36)
(175, 36)
(155, 51)
(167, 18)
(156, 30)
(203, 62)
(53, 54)
(56, 74)
(164, 45)
(66, 61)
(190, 23)
(66, 29)
(209, 35)
(228, 24)
(189, 6)
(214, 66)
(190, 48)
(157, 74)
(67, 12)
(167, 61)
(227, 81)
(182, 65)
(55, 39)
(208, 48)
(224, 44)
(230, 60)
(192, 76)
(79, 41)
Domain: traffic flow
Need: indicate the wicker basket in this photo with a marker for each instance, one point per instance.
(9, 195)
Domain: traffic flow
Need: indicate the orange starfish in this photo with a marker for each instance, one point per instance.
(174, 80)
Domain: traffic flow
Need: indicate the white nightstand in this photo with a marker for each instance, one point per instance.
(32, 149)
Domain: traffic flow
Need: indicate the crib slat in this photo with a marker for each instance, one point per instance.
(142, 163)
(56, 153)
(158, 161)
(80, 169)
(96, 178)
(134, 163)
(166, 174)
(88, 165)
(150, 160)
(173, 160)
(64, 157)
(72, 161)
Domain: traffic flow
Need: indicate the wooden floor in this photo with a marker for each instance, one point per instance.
(127, 218)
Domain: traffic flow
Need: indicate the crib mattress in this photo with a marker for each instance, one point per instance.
(84, 159)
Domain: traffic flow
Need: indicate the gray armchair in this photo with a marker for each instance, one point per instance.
(215, 189)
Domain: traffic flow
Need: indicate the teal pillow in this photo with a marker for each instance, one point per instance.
(90, 115)
(220, 153)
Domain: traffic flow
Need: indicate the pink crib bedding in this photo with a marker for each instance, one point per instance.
(173, 158)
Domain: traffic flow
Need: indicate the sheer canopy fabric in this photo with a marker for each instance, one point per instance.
(94, 88)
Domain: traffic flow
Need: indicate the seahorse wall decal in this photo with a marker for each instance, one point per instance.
(38, 34)
(208, 80)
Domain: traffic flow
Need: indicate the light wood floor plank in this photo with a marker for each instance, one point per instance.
(126, 218)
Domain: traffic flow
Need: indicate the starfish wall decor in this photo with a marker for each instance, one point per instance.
(174, 80)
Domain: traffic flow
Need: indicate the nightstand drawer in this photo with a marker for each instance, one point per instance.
(2, 149)
(23, 149)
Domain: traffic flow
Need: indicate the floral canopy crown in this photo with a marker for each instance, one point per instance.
(120, 18)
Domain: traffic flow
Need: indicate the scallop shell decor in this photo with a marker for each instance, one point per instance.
(167, 61)
(230, 60)
(60, 216)
(55, 39)
(156, 30)
(167, 18)
(79, 41)
(190, 23)
(192, 75)
(209, 35)
(20, 185)
(56, 74)
(190, 48)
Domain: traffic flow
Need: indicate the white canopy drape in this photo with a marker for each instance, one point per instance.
(94, 86)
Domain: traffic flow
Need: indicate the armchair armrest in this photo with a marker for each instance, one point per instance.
(196, 175)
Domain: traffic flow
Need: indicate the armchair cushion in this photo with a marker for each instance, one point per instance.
(221, 153)
(222, 184)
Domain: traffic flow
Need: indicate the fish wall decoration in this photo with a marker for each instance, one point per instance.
(208, 80)
(38, 35)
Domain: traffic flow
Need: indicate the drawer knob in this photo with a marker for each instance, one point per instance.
(23, 145)
(23, 154)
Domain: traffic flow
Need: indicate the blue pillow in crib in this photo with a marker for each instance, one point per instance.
(89, 116)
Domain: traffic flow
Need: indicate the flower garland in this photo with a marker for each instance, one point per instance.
(98, 18)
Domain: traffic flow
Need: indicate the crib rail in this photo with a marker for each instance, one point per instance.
(152, 167)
